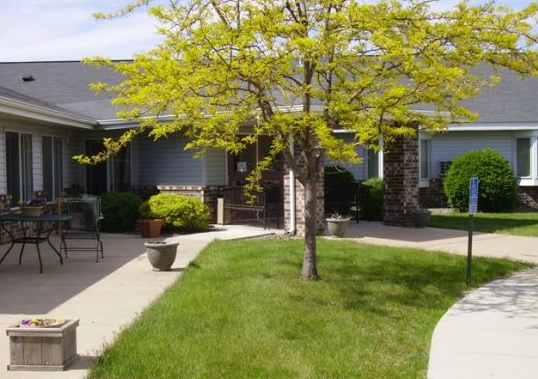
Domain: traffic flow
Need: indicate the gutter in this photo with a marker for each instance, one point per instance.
(22, 109)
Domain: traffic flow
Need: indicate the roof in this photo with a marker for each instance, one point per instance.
(63, 86)
(513, 100)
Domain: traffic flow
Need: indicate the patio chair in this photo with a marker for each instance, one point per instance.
(81, 232)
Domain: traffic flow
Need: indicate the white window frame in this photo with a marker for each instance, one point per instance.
(424, 181)
(532, 179)
(24, 171)
(57, 169)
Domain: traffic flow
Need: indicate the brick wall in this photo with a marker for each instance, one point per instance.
(433, 196)
(400, 181)
(299, 207)
(300, 201)
(207, 194)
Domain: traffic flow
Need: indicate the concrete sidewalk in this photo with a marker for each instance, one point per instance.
(105, 296)
(491, 333)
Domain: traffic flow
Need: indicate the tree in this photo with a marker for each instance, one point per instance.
(298, 70)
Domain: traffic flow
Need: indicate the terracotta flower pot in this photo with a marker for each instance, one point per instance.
(150, 228)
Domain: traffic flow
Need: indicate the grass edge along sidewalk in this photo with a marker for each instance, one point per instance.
(519, 224)
(241, 311)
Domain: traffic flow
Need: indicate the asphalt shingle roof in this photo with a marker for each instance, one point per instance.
(65, 86)
(62, 85)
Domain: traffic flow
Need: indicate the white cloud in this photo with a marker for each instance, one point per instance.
(66, 30)
(42, 30)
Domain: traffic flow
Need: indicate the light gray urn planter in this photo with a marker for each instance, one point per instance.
(161, 254)
(337, 227)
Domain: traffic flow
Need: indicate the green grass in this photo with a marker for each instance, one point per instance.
(241, 311)
(522, 224)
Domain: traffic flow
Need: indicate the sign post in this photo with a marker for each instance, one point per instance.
(473, 208)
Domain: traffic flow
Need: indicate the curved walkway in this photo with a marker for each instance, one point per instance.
(493, 331)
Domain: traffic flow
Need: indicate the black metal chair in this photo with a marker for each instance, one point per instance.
(85, 212)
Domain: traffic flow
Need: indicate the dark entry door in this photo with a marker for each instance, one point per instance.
(240, 165)
(96, 175)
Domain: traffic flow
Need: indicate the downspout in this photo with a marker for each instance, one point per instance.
(293, 224)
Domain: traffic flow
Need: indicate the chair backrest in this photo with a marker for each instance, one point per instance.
(85, 212)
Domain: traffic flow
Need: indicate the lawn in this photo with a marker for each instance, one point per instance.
(241, 311)
(522, 224)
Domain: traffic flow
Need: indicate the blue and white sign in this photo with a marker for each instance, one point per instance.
(473, 195)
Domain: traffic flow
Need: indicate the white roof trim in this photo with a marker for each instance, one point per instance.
(493, 127)
(34, 112)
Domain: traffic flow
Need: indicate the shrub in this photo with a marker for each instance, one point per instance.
(372, 203)
(339, 190)
(120, 211)
(179, 211)
(497, 188)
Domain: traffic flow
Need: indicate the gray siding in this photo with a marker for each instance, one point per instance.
(215, 167)
(165, 162)
(446, 147)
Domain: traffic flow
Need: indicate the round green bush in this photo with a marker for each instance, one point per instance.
(497, 190)
(372, 200)
(120, 211)
(339, 190)
(180, 211)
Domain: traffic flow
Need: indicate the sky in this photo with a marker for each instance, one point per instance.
(52, 30)
(49, 30)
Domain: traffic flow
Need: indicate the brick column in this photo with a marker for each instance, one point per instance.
(400, 176)
(300, 205)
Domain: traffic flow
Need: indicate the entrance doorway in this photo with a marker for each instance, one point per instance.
(240, 166)
(111, 175)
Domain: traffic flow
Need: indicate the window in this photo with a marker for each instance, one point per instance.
(373, 164)
(425, 158)
(52, 166)
(19, 175)
(523, 160)
(112, 175)
(121, 170)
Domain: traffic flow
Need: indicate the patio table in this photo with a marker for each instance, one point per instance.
(44, 225)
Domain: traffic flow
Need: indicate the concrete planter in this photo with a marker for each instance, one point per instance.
(421, 218)
(161, 255)
(337, 227)
(50, 348)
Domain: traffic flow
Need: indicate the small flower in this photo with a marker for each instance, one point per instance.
(31, 203)
(338, 216)
(37, 322)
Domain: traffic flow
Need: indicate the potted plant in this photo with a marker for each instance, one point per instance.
(32, 208)
(337, 225)
(421, 218)
(149, 225)
(46, 344)
(161, 254)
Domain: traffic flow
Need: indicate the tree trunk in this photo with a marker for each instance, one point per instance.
(310, 267)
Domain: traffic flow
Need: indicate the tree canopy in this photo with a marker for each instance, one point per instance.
(296, 71)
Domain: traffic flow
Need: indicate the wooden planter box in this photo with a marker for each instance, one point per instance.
(42, 348)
